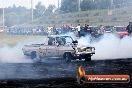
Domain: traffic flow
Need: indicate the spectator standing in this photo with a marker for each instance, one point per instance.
(49, 31)
(78, 29)
(101, 29)
(129, 29)
(54, 30)
(88, 30)
(85, 28)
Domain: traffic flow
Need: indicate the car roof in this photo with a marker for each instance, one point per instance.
(119, 26)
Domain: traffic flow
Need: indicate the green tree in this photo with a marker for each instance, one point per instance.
(16, 15)
(39, 10)
(49, 10)
(95, 4)
(9, 19)
(87, 5)
(103, 4)
(69, 6)
(120, 3)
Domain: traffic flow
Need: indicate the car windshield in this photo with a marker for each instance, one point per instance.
(67, 39)
(51, 41)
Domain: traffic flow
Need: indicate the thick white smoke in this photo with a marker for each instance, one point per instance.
(110, 47)
(14, 54)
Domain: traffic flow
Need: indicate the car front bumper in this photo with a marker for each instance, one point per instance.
(78, 54)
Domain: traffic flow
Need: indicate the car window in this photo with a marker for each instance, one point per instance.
(68, 40)
(51, 41)
(60, 41)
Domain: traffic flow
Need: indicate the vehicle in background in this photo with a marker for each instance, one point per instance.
(83, 31)
(120, 31)
(95, 31)
(1, 30)
(108, 29)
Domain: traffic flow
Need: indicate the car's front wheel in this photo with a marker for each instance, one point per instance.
(88, 58)
(67, 57)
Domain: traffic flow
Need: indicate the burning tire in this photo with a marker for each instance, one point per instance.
(88, 58)
(67, 57)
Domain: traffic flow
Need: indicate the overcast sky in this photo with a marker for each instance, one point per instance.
(26, 3)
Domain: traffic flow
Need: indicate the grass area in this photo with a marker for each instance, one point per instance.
(13, 40)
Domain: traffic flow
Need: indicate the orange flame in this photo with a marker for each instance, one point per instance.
(81, 71)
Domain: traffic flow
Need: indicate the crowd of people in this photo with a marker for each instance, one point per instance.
(79, 30)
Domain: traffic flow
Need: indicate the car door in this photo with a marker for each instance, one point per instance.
(51, 51)
(43, 51)
(60, 50)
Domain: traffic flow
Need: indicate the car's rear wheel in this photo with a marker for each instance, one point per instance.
(88, 58)
(67, 57)
(35, 57)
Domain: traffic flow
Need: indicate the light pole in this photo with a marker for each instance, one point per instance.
(79, 2)
(58, 4)
(111, 4)
(3, 17)
(110, 8)
(32, 9)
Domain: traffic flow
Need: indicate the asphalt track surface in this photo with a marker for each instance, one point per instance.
(55, 73)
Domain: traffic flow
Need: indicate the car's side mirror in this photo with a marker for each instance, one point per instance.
(57, 44)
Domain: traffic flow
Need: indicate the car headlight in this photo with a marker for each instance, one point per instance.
(79, 50)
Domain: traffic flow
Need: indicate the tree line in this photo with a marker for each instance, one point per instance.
(73, 5)
(19, 15)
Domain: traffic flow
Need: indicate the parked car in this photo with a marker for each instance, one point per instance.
(121, 31)
(109, 29)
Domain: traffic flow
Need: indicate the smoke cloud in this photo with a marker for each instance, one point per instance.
(110, 47)
(14, 54)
